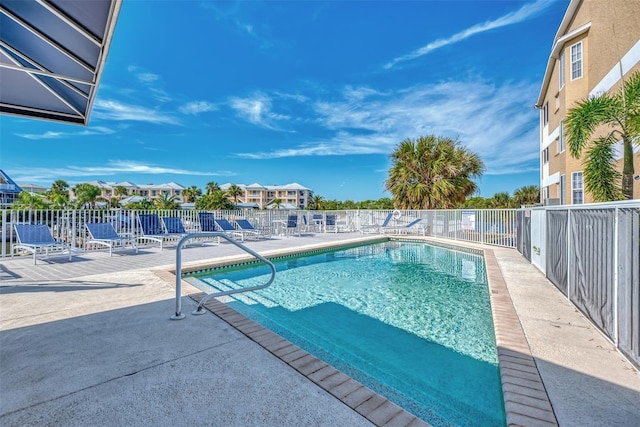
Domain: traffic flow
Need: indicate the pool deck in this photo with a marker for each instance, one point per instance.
(90, 342)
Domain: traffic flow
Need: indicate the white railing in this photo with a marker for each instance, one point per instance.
(486, 226)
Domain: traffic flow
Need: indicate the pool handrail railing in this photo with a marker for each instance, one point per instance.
(199, 309)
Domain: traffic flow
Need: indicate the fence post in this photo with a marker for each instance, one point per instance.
(616, 282)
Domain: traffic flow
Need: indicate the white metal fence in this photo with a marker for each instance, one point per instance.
(493, 227)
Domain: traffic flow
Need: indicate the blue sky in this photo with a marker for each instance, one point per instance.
(318, 93)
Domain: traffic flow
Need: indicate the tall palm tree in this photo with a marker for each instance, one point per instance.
(234, 192)
(432, 172)
(211, 187)
(191, 194)
(609, 118)
(500, 200)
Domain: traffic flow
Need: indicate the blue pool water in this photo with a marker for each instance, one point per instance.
(409, 320)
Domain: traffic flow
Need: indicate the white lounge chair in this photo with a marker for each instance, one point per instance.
(246, 227)
(104, 234)
(400, 229)
(37, 239)
(376, 228)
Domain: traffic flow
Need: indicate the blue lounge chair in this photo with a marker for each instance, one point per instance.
(207, 221)
(37, 239)
(399, 229)
(152, 230)
(292, 225)
(104, 234)
(247, 228)
(376, 228)
(227, 228)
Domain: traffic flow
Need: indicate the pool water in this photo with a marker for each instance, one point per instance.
(409, 320)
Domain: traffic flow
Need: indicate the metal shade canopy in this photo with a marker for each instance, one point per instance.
(52, 53)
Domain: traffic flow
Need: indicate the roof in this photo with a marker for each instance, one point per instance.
(52, 54)
(7, 185)
(558, 44)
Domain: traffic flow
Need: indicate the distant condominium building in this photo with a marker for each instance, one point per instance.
(294, 195)
(596, 47)
(147, 191)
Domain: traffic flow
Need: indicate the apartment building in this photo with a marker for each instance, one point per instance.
(293, 195)
(597, 45)
(9, 191)
(147, 191)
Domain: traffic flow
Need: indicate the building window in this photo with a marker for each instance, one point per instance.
(577, 191)
(561, 71)
(545, 114)
(561, 189)
(576, 61)
(561, 144)
(545, 156)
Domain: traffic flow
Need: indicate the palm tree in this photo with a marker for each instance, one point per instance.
(527, 195)
(234, 192)
(87, 194)
(191, 194)
(276, 203)
(58, 194)
(120, 191)
(166, 202)
(317, 202)
(500, 200)
(211, 187)
(620, 114)
(212, 201)
(26, 200)
(432, 172)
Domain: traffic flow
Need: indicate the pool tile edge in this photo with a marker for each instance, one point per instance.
(526, 401)
(377, 409)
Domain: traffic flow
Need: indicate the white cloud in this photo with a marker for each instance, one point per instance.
(525, 12)
(114, 110)
(197, 107)
(114, 167)
(257, 110)
(496, 122)
(98, 130)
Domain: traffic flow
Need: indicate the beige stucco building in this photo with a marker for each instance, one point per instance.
(597, 46)
(293, 196)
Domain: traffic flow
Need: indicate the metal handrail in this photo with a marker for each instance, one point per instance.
(199, 309)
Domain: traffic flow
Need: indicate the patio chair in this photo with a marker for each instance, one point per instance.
(376, 228)
(104, 234)
(227, 228)
(292, 225)
(152, 230)
(399, 229)
(247, 228)
(331, 222)
(37, 239)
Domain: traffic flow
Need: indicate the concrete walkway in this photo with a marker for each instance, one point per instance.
(90, 342)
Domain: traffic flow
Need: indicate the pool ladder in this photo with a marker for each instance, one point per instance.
(200, 308)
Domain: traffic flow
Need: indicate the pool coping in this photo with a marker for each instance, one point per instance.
(526, 401)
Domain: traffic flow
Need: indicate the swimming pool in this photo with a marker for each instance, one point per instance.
(409, 320)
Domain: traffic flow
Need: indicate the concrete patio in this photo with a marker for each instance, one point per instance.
(90, 342)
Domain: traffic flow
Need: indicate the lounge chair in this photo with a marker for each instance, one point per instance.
(207, 221)
(376, 228)
(104, 234)
(227, 228)
(37, 239)
(247, 228)
(399, 229)
(331, 222)
(152, 230)
(292, 225)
